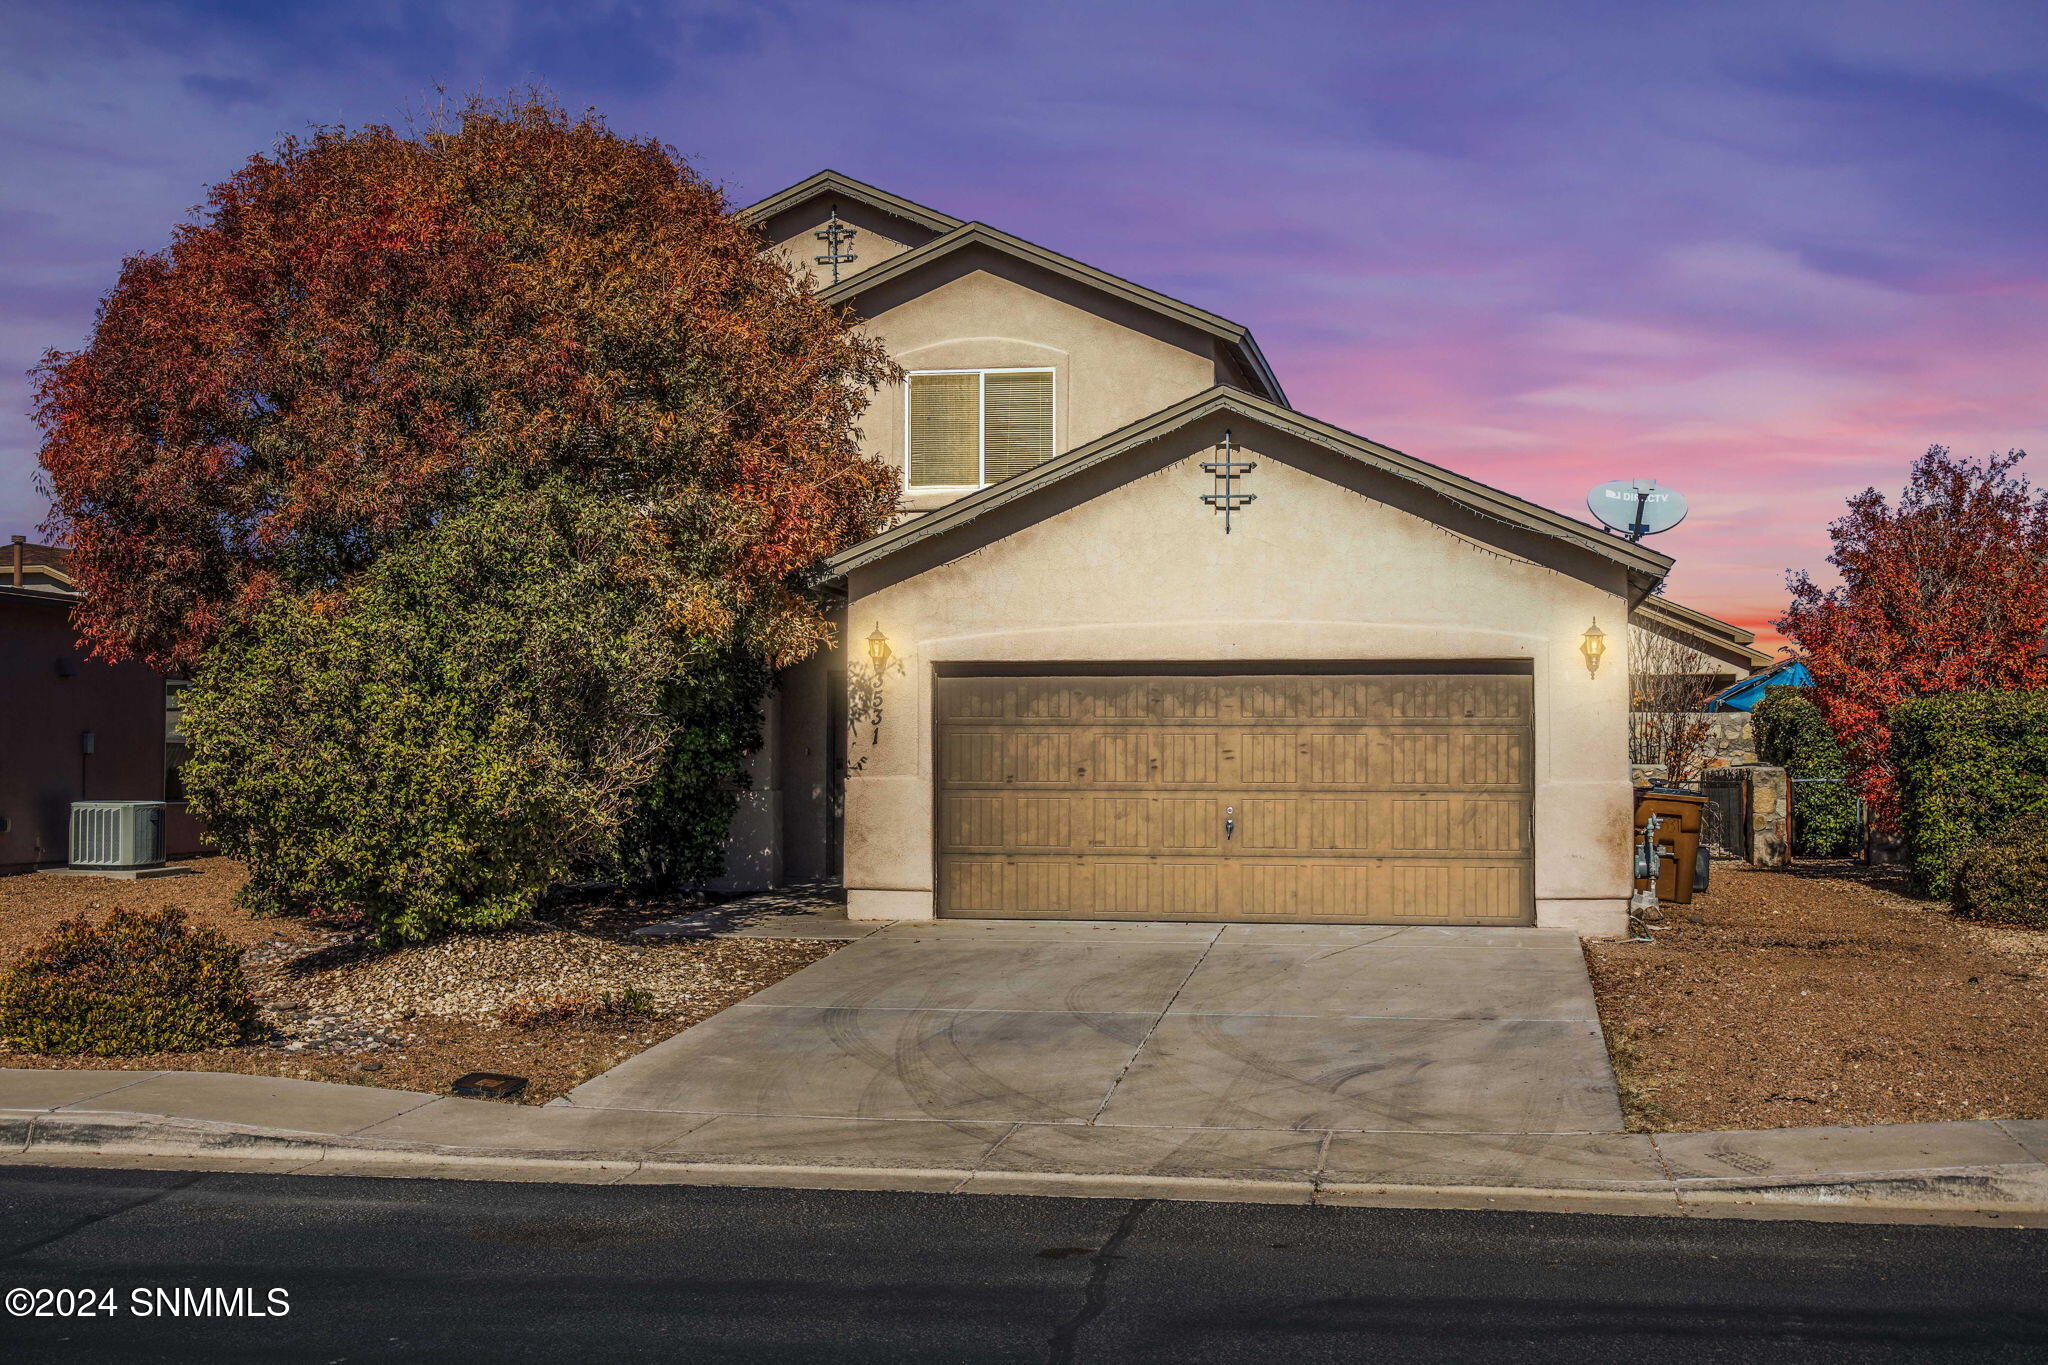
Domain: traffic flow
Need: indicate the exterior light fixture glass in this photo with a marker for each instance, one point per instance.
(1593, 644)
(878, 648)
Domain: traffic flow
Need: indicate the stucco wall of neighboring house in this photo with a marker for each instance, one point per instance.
(44, 716)
(1335, 562)
(1113, 362)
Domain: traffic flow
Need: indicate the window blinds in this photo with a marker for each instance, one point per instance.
(945, 429)
(978, 427)
(1016, 417)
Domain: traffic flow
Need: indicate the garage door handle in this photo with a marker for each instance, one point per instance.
(1229, 821)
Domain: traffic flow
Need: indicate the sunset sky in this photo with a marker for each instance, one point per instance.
(1764, 253)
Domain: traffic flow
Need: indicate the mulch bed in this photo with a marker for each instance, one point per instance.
(337, 1009)
(1823, 995)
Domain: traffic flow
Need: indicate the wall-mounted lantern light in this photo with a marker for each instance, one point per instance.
(878, 648)
(1593, 645)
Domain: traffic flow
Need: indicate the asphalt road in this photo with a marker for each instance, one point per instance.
(445, 1270)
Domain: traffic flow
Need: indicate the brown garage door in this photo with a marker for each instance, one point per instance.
(1388, 798)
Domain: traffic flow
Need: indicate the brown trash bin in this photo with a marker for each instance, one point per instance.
(1678, 838)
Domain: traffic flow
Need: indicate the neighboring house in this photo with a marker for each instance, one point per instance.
(1148, 643)
(1744, 696)
(72, 729)
(1710, 652)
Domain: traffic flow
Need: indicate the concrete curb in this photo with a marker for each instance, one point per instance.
(2005, 1193)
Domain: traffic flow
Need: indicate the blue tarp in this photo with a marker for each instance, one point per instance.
(1744, 696)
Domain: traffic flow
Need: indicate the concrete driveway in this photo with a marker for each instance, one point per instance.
(1292, 1032)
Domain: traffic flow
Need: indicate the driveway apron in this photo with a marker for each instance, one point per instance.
(1309, 1029)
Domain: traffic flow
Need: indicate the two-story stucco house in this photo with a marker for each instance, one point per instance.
(1148, 643)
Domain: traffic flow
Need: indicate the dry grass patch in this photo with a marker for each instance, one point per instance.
(1822, 995)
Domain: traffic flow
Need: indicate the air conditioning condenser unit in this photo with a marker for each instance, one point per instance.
(116, 835)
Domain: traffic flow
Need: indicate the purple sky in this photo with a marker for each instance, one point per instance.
(1763, 252)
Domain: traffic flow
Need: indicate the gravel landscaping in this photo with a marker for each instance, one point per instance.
(1823, 995)
(339, 1010)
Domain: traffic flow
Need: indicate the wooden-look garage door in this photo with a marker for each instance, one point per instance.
(1387, 798)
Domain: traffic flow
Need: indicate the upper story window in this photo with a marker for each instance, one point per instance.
(967, 428)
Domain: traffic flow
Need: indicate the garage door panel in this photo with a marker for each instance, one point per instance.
(1040, 756)
(1270, 824)
(1340, 758)
(1035, 699)
(1451, 823)
(1187, 824)
(1165, 888)
(1121, 824)
(975, 699)
(1444, 756)
(1118, 757)
(1340, 824)
(1487, 894)
(1492, 758)
(973, 757)
(1038, 888)
(1396, 798)
(972, 886)
(973, 822)
(1272, 758)
(1184, 757)
(1452, 699)
(1271, 699)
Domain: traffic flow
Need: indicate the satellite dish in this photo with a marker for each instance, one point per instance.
(1637, 507)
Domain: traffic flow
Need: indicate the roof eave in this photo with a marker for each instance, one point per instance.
(1232, 334)
(1645, 566)
(834, 182)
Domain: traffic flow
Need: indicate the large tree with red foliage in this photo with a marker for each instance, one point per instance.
(366, 330)
(1945, 590)
(475, 477)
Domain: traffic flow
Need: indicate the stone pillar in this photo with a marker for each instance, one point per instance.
(1770, 815)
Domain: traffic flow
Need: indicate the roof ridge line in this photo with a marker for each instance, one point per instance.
(1482, 499)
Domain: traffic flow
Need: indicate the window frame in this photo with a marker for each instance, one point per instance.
(980, 424)
(174, 716)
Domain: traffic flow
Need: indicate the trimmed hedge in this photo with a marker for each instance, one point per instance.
(1791, 734)
(1967, 762)
(138, 983)
(2005, 878)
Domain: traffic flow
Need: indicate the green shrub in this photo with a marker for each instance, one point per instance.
(1791, 734)
(2005, 877)
(436, 745)
(140, 982)
(1966, 762)
(677, 830)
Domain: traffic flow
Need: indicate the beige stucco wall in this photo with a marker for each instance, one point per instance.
(881, 236)
(1360, 569)
(1112, 362)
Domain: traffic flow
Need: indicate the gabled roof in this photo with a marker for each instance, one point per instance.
(1645, 564)
(1684, 620)
(846, 187)
(965, 235)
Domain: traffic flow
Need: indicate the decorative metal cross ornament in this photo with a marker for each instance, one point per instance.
(1228, 470)
(835, 234)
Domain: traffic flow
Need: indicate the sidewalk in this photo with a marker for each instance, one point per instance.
(1981, 1172)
